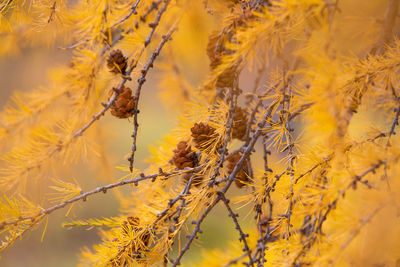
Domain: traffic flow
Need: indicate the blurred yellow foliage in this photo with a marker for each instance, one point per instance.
(312, 87)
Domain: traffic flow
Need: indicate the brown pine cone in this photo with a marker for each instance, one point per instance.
(184, 156)
(226, 78)
(117, 62)
(197, 180)
(241, 176)
(202, 134)
(239, 124)
(124, 103)
(215, 49)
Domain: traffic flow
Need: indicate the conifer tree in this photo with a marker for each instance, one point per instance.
(292, 118)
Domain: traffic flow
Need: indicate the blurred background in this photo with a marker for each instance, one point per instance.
(61, 247)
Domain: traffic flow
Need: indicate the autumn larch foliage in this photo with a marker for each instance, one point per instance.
(295, 102)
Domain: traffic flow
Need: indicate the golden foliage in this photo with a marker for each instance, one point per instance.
(319, 157)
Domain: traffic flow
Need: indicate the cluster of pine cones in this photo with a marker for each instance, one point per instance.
(204, 136)
(215, 51)
(124, 104)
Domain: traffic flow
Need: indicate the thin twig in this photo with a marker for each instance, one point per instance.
(232, 98)
(179, 210)
(259, 210)
(237, 226)
(325, 161)
(332, 205)
(196, 230)
(84, 195)
(394, 124)
(172, 202)
(300, 110)
(142, 18)
(133, 11)
(286, 102)
(141, 81)
(234, 261)
(251, 119)
(154, 6)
